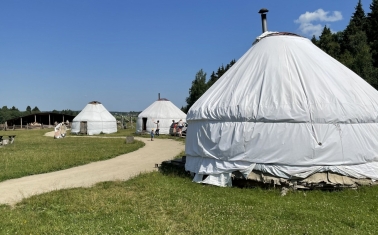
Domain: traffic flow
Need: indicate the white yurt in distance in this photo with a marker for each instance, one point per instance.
(164, 111)
(284, 109)
(94, 119)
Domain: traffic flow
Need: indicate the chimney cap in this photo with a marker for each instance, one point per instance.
(263, 10)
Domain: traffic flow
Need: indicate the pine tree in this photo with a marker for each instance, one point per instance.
(28, 109)
(328, 43)
(212, 80)
(314, 40)
(372, 31)
(14, 112)
(221, 70)
(356, 50)
(356, 23)
(199, 87)
(36, 110)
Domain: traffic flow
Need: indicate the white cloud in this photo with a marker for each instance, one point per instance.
(311, 29)
(309, 21)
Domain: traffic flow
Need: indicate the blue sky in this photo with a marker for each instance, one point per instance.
(64, 54)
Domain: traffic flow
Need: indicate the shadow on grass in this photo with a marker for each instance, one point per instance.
(174, 167)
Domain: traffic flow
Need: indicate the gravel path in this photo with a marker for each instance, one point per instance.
(119, 168)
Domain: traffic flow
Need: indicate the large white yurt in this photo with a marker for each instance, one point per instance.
(161, 110)
(285, 109)
(94, 119)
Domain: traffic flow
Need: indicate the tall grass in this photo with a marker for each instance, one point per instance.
(154, 203)
(33, 153)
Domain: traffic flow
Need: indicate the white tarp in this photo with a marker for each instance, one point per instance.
(98, 120)
(289, 108)
(164, 111)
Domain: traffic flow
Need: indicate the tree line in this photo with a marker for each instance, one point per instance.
(10, 113)
(66, 111)
(356, 47)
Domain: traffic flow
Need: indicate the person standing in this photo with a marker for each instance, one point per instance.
(57, 133)
(174, 126)
(157, 128)
(63, 130)
(152, 134)
(180, 126)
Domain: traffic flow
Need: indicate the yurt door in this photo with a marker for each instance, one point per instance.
(83, 127)
(144, 126)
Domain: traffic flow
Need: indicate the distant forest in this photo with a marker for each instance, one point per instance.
(356, 47)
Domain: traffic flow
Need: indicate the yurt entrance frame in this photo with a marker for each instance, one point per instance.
(83, 127)
(144, 125)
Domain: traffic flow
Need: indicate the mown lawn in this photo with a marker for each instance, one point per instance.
(154, 203)
(32, 153)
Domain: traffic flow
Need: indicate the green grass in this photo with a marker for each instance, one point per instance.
(154, 203)
(32, 153)
(119, 133)
(131, 132)
(161, 136)
(157, 203)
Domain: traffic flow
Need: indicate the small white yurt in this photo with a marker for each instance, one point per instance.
(161, 110)
(286, 110)
(94, 119)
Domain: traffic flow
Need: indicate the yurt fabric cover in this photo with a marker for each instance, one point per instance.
(288, 109)
(164, 111)
(98, 119)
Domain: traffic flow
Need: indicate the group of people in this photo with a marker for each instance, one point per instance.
(177, 126)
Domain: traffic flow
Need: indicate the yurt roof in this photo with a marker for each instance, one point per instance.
(162, 108)
(95, 111)
(285, 78)
(94, 102)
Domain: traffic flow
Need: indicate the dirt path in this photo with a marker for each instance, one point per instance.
(120, 168)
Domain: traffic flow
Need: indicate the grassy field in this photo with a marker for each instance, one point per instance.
(32, 153)
(157, 203)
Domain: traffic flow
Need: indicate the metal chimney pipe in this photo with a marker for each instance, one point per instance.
(158, 96)
(263, 19)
